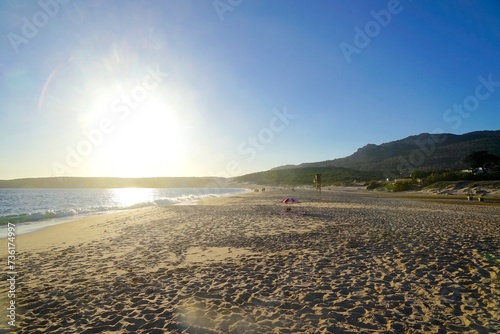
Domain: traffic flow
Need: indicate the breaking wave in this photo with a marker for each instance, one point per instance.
(59, 206)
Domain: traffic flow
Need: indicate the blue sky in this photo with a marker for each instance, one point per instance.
(198, 88)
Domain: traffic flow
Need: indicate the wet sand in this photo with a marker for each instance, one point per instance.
(343, 262)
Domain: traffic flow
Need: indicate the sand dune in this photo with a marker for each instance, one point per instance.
(351, 263)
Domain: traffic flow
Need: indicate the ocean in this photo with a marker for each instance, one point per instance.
(33, 209)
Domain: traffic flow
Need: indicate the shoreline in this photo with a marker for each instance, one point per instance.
(443, 194)
(350, 261)
(66, 228)
(40, 224)
(92, 219)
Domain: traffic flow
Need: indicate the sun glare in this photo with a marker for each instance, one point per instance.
(126, 197)
(148, 143)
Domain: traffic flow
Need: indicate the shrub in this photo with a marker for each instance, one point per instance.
(373, 184)
(403, 185)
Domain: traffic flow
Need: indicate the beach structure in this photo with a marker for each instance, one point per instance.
(317, 181)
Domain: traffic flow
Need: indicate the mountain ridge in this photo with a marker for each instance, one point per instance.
(424, 151)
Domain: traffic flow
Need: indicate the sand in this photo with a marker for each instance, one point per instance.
(352, 262)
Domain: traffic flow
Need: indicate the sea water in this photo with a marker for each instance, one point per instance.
(33, 209)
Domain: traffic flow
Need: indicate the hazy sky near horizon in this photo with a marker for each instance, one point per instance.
(197, 88)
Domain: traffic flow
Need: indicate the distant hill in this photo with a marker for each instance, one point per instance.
(305, 175)
(113, 182)
(424, 152)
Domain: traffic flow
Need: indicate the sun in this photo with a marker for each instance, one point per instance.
(150, 142)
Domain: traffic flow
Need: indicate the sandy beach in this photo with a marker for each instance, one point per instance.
(342, 261)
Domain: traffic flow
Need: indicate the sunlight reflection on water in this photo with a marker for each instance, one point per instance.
(126, 197)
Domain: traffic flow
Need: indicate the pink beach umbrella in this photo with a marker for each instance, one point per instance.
(290, 200)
